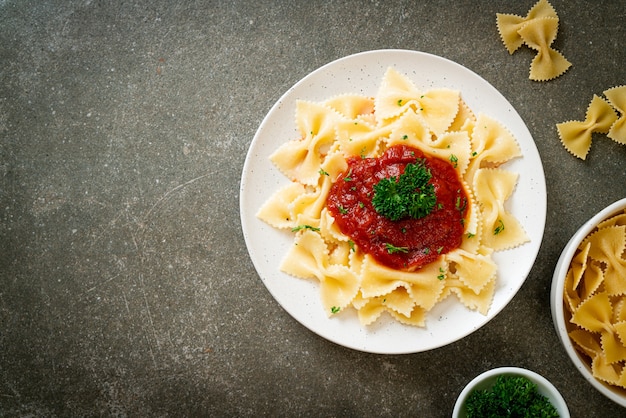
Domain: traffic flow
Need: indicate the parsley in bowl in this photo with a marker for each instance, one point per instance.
(510, 392)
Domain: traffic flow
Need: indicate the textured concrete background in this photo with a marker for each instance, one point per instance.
(125, 284)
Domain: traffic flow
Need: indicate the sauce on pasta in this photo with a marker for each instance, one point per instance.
(406, 244)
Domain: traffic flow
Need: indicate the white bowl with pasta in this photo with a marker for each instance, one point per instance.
(579, 307)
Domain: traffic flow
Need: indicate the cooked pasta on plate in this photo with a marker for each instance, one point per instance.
(342, 245)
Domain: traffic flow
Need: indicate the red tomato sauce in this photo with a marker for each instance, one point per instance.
(422, 240)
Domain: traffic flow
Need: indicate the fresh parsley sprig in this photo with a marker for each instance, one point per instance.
(408, 196)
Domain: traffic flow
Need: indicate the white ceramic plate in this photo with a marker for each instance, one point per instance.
(361, 74)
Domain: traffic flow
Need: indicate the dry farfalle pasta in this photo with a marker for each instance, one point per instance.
(595, 300)
(538, 30)
(601, 117)
(617, 98)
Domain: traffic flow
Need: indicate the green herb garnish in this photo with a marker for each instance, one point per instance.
(499, 228)
(334, 309)
(300, 227)
(454, 160)
(442, 274)
(510, 396)
(392, 249)
(409, 196)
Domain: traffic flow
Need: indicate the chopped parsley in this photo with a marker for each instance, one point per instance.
(323, 172)
(454, 160)
(301, 227)
(392, 249)
(499, 228)
(335, 309)
(510, 396)
(409, 196)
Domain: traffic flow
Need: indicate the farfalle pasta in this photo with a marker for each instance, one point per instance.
(538, 30)
(346, 129)
(602, 116)
(594, 298)
(510, 24)
(617, 97)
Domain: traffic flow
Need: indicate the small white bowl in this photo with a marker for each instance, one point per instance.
(556, 302)
(487, 379)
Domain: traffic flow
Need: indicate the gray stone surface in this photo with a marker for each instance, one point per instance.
(125, 284)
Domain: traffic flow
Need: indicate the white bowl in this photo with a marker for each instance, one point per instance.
(487, 379)
(556, 302)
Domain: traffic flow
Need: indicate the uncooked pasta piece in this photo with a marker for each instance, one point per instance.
(595, 300)
(617, 98)
(607, 247)
(539, 35)
(576, 135)
(510, 24)
(537, 30)
(352, 105)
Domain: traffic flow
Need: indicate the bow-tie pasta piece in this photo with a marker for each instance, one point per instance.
(537, 30)
(510, 24)
(308, 258)
(539, 35)
(397, 94)
(617, 98)
(576, 135)
(352, 106)
(501, 230)
(607, 246)
(594, 314)
(300, 159)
